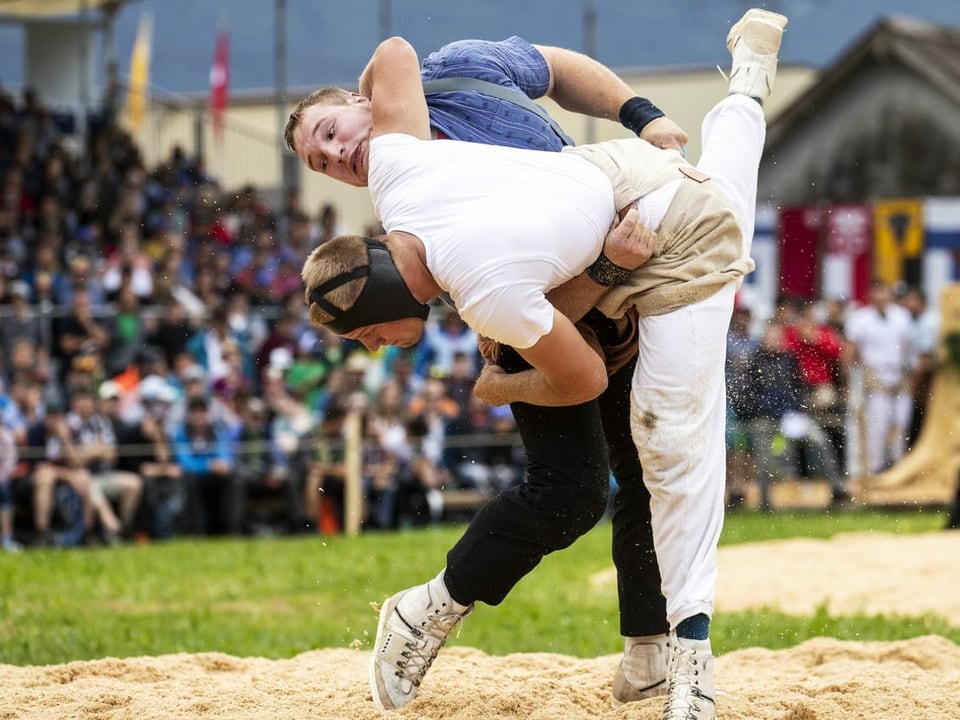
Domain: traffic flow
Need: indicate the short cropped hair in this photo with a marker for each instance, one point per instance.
(325, 96)
(338, 255)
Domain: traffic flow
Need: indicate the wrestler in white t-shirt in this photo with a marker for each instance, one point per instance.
(501, 227)
(529, 222)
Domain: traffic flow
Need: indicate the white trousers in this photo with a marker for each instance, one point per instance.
(886, 416)
(678, 400)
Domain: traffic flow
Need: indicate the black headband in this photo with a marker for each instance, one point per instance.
(385, 296)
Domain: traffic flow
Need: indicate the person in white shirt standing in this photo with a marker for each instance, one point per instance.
(879, 334)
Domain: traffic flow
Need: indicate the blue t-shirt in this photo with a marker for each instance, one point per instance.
(475, 117)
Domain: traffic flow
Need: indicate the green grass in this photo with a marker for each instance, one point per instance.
(279, 597)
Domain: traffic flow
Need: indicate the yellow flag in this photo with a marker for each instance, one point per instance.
(899, 235)
(139, 82)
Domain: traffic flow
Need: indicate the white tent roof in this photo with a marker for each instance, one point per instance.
(26, 9)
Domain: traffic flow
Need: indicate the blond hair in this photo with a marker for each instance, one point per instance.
(336, 256)
(324, 96)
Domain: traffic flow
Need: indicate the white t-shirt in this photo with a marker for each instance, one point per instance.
(883, 340)
(501, 226)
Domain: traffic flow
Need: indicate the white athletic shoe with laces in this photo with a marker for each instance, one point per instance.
(414, 624)
(642, 672)
(754, 42)
(690, 681)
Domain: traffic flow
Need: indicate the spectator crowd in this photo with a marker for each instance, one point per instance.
(159, 377)
(823, 389)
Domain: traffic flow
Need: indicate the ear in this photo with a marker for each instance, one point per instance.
(358, 99)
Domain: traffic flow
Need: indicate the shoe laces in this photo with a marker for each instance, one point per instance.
(429, 636)
(684, 696)
(440, 622)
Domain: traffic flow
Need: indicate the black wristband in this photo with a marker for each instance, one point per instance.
(636, 112)
(606, 273)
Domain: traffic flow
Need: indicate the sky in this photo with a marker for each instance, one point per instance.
(329, 41)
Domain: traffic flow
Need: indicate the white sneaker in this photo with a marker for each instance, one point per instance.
(754, 42)
(690, 681)
(414, 625)
(642, 672)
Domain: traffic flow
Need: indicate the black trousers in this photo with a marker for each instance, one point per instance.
(570, 452)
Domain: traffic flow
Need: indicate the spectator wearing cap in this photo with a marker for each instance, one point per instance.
(96, 446)
(150, 455)
(206, 454)
(110, 396)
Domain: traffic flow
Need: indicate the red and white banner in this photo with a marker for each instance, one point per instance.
(847, 269)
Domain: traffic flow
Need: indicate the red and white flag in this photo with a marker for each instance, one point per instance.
(220, 81)
(847, 262)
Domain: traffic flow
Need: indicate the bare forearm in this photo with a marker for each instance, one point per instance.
(576, 296)
(532, 387)
(580, 84)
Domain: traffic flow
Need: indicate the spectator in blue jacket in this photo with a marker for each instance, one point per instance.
(205, 452)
